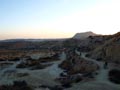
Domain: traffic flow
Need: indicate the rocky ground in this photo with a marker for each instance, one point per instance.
(34, 78)
(48, 77)
(92, 66)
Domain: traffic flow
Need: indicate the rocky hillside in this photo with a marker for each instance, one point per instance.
(109, 51)
(87, 44)
(84, 35)
(101, 47)
(75, 64)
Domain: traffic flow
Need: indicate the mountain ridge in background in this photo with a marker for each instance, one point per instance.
(84, 35)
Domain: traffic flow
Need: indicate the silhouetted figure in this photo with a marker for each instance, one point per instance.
(80, 53)
(105, 65)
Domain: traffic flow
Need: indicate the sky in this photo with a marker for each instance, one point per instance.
(57, 18)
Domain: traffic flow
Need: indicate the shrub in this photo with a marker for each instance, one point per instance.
(114, 76)
(17, 85)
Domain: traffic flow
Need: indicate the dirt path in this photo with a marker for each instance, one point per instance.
(54, 69)
(101, 80)
(103, 73)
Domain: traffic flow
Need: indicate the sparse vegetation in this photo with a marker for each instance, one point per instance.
(114, 76)
(17, 85)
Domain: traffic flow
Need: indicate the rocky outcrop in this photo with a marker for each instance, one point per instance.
(76, 69)
(109, 51)
(84, 35)
(74, 64)
(83, 66)
(87, 44)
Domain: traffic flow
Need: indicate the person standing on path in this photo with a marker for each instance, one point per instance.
(105, 65)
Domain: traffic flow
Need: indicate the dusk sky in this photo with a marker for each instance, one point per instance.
(57, 18)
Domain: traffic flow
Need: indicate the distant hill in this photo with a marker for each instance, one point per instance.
(30, 44)
(83, 35)
(32, 40)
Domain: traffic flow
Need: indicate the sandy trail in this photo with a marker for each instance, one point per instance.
(101, 80)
